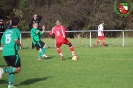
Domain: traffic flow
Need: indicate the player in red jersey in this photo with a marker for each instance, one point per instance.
(100, 34)
(59, 33)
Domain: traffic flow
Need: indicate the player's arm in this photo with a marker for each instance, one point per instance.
(18, 42)
(51, 33)
(16, 39)
(35, 31)
(102, 33)
(101, 27)
(63, 31)
(43, 28)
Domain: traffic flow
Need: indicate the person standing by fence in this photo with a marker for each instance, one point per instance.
(100, 34)
(2, 29)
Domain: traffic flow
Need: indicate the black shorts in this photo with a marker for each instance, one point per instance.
(13, 61)
(39, 45)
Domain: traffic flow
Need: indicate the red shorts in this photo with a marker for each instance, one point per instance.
(60, 42)
(100, 37)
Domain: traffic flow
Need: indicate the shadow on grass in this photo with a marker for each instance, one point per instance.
(33, 80)
(47, 58)
(69, 58)
(3, 82)
(25, 47)
(3, 65)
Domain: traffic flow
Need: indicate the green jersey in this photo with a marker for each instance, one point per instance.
(8, 40)
(18, 35)
(35, 35)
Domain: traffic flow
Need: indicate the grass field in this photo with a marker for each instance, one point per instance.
(109, 67)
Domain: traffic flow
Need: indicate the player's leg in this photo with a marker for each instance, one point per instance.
(39, 48)
(9, 60)
(71, 49)
(58, 44)
(99, 39)
(14, 67)
(32, 46)
(103, 44)
(40, 53)
(43, 46)
(66, 41)
(96, 43)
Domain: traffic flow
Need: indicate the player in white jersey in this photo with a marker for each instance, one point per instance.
(100, 34)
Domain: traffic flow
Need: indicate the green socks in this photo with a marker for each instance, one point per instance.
(39, 54)
(9, 70)
(11, 78)
(43, 50)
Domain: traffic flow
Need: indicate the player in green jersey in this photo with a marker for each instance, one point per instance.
(35, 36)
(10, 42)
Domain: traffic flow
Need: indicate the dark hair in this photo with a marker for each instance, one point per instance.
(102, 21)
(15, 21)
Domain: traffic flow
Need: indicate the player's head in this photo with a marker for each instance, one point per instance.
(35, 17)
(57, 22)
(1, 21)
(102, 22)
(35, 25)
(15, 21)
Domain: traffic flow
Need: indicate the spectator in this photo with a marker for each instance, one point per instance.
(37, 19)
(8, 23)
(1, 30)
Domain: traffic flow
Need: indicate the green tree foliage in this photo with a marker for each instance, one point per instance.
(6, 7)
(74, 14)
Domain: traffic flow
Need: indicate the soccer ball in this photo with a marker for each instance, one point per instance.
(74, 58)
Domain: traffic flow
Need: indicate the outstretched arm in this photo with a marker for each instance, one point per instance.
(43, 28)
(18, 43)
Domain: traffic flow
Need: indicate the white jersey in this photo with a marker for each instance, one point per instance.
(100, 29)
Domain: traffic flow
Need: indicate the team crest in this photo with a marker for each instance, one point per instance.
(123, 8)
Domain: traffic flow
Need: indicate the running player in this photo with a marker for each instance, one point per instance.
(100, 34)
(59, 32)
(10, 41)
(35, 36)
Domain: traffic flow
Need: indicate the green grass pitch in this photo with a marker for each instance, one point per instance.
(109, 67)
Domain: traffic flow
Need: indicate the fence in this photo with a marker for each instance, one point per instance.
(90, 31)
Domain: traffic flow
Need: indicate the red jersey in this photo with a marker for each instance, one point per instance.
(59, 32)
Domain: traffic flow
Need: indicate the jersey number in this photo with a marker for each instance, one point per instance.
(8, 38)
(57, 33)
